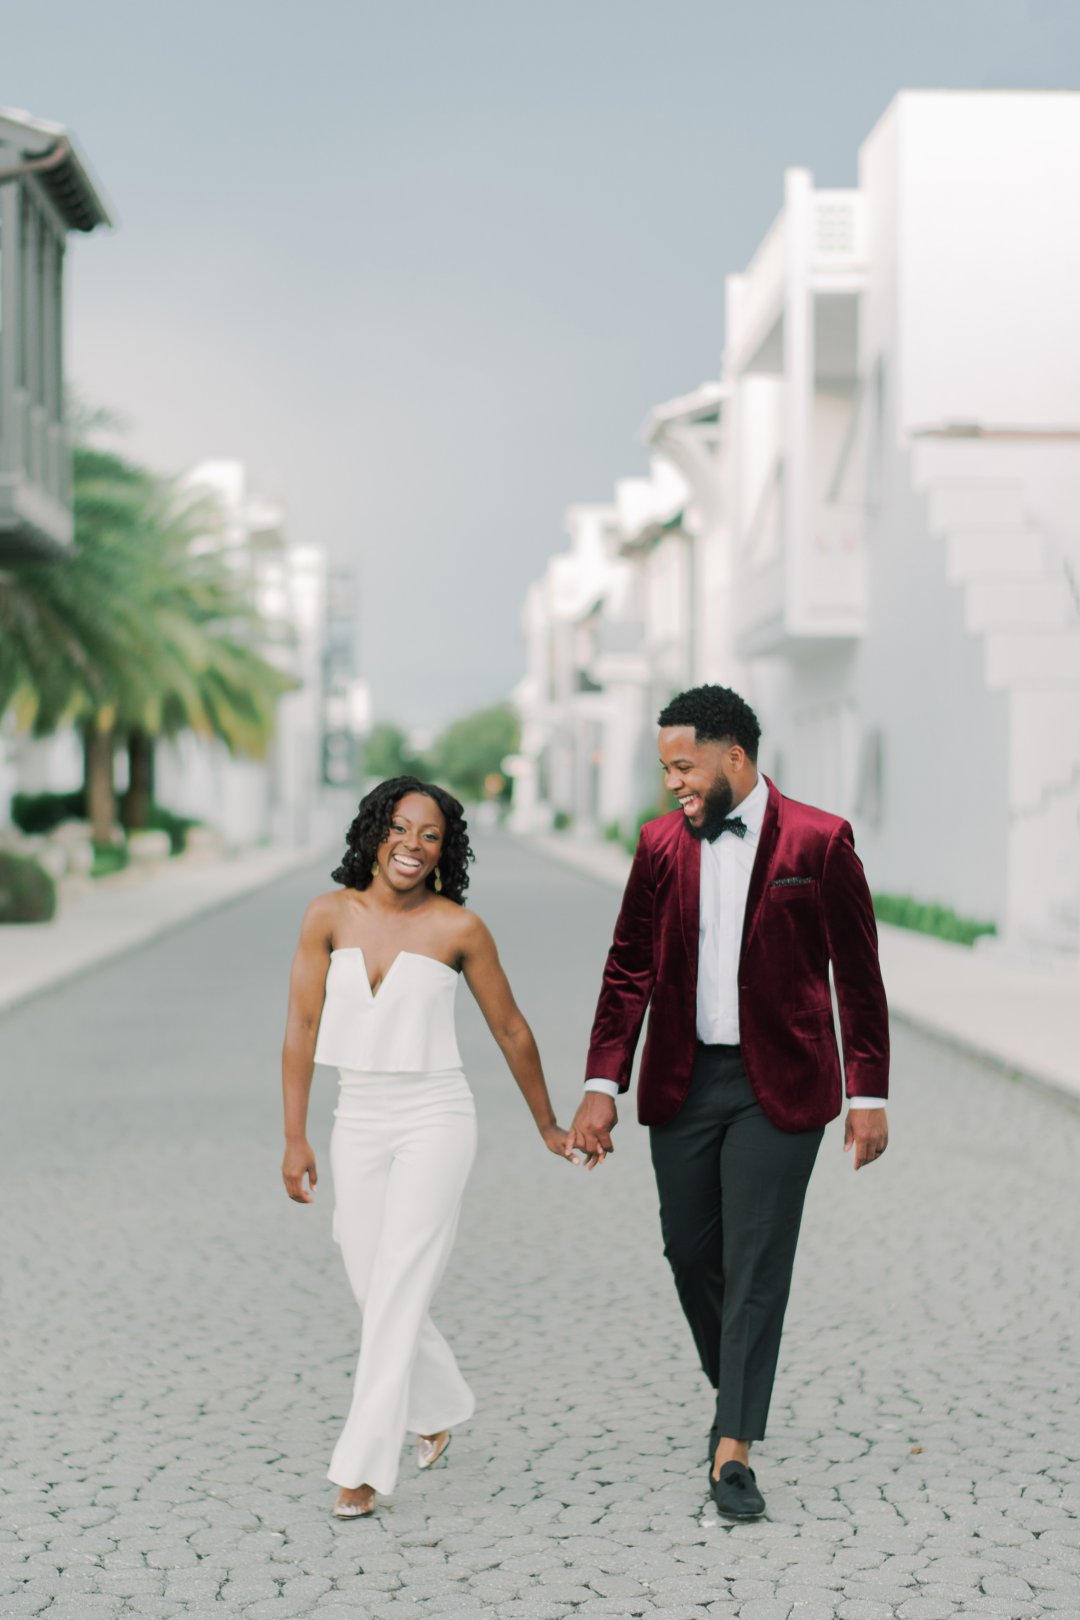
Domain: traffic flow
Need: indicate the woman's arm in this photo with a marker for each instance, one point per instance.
(307, 987)
(486, 979)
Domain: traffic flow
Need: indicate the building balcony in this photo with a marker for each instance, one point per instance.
(45, 192)
(816, 246)
(793, 361)
(797, 587)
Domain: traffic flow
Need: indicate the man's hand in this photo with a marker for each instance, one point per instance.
(867, 1130)
(591, 1130)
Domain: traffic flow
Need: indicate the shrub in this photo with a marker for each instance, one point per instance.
(561, 820)
(41, 812)
(108, 858)
(940, 921)
(177, 827)
(27, 892)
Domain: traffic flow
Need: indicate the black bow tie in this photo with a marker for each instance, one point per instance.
(733, 824)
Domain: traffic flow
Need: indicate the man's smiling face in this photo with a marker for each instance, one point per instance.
(696, 774)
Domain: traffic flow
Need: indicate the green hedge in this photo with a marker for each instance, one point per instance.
(27, 892)
(41, 812)
(940, 921)
(177, 827)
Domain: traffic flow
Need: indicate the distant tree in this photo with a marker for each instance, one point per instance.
(468, 755)
(387, 753)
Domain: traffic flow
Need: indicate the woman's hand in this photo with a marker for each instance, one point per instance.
(299, 1161)
(555, 1140)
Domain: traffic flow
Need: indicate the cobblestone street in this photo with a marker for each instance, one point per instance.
(178, 1339)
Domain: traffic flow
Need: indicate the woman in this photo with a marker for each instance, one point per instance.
(375, 975)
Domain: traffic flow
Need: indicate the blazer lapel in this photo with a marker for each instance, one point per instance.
(689, 873)
(770, 829)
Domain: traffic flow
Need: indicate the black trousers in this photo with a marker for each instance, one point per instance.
(731, 1188)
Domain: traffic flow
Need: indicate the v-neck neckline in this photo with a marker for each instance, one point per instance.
(375, 993)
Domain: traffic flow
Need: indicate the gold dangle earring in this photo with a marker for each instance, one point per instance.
(438, 881)
(374, 868)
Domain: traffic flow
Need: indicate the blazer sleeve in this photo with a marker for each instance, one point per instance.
(853, 948)
(629, 973)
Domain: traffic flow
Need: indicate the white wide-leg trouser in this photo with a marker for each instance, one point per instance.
(400, 1153)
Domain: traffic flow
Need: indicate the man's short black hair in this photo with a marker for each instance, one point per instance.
(717, 714)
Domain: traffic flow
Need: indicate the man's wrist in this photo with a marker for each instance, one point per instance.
(609, 1088)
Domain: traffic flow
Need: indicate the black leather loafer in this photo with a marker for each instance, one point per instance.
(735, 1493)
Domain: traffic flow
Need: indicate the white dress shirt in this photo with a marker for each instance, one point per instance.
(726, 865)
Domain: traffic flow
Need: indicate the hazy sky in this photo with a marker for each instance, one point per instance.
(426, 266)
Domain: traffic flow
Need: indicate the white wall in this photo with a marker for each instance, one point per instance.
(920, 681)
(989, 258)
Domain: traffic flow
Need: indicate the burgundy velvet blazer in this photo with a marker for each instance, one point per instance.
(792, 931)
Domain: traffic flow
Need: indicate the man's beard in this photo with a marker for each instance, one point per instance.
(718, 803)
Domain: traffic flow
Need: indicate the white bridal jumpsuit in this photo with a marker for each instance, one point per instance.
(402, 1146)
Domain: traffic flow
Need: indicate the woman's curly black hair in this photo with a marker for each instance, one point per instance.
(372, 825)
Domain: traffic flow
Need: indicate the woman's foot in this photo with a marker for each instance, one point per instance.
(430, 1447)
(355, 1503)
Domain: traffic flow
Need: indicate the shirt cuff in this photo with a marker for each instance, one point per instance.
(608, 1087)
(867, 1102)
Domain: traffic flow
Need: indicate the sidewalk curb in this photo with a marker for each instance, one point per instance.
(1046, 1086)
(241, 877)
(607, 864)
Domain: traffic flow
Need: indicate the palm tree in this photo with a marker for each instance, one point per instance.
(71, 634)
(209, 674)
(141, 634)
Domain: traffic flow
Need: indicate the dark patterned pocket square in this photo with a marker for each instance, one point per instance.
(783, 883)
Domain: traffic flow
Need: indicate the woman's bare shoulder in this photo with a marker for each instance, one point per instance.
(469, 931)
(327, 909)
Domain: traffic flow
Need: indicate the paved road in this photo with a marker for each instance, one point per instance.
(178, 1339)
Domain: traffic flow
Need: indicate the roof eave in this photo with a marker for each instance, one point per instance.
(70, 184)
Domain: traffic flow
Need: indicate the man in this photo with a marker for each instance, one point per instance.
(736, 904)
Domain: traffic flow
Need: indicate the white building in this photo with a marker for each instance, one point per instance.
(633, 611)
(889, 567)
(583, 701)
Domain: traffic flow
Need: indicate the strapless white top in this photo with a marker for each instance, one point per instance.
(406, 1025)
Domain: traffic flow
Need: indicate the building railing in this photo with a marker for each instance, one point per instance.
(836, 250)
(839, 231)
(762, 293)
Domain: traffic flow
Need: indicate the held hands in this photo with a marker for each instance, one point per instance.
(299, 1161)
(867, 1130)
(590, 1134)
(556, 1140)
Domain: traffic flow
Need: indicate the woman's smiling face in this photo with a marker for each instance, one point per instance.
(411, 849)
